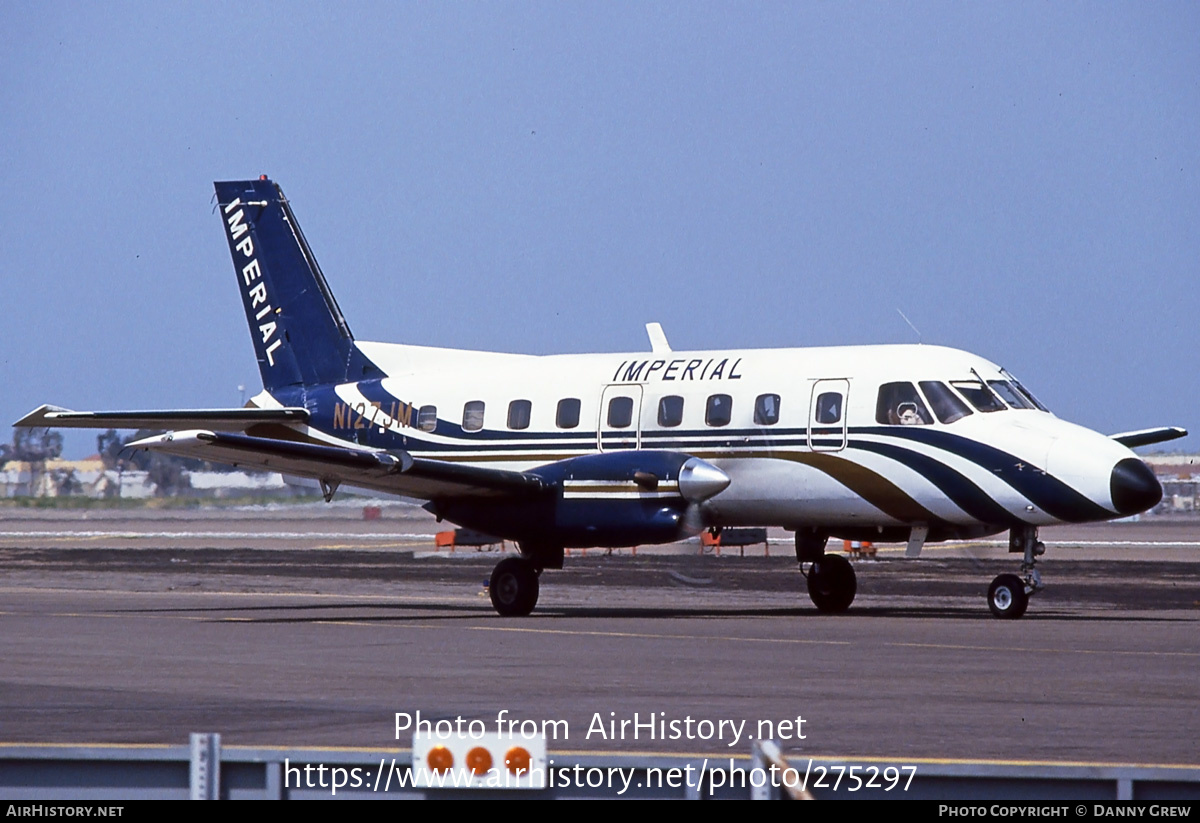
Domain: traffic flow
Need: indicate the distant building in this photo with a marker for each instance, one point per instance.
(1180, 478)
(89, 478)
(1178, 473)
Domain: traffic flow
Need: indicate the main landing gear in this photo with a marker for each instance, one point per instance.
(831, 580)
(513, 587)
(1009, 594)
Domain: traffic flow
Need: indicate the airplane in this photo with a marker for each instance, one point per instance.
(889, 443)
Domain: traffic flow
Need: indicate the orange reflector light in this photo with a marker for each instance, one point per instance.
(518, 760)
(439, 759)
(474, 760)
(479, 760)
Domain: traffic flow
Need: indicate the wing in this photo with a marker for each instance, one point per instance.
(261, 439)
(397, 472)
(212, 419)
(1146, 437)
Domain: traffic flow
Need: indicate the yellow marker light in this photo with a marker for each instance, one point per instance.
(479, 760)
(439, 759)
(518, 760)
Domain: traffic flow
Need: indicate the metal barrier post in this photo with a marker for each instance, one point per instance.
(204, 782)
(759, 763)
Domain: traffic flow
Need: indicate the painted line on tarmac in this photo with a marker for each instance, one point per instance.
(783, 640)
(606, 755)
(457, 601)
(649, 636)
(368, 622)
(906, 759)
(204, 593)
(128, 535)
(958, 647)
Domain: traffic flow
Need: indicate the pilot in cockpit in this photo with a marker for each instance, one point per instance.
(900, 405)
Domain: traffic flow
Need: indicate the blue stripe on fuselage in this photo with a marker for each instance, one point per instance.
(1050, 494)
(1045, 491)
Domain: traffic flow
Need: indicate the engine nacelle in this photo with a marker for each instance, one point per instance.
(613, 499)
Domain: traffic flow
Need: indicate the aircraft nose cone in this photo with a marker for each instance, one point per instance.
(1134, 487)
(699, 480)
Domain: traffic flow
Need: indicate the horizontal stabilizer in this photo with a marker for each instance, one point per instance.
(391, 471)
(214, 419)
(1147, 437)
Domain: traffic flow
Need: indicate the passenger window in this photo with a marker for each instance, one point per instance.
(670, 411)
(829, 407)
(766, 410)
(473, 416)
(518, 414)
(946, 404)
(427, 418)
(568, 413)
(978, 395)
(900, 405)
(620, 412)
(719, 410)
(1009, 394)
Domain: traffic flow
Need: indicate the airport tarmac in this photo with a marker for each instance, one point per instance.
(310, 626)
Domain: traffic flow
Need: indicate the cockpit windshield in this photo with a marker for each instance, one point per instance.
(900, 404)
(1008, 392)
(946, 404)
(1024, 392)
(978, 395)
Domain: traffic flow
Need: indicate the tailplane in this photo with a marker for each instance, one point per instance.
(300, 336)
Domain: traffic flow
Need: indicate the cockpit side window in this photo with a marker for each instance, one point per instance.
(900, 405)
(1009, 394)
(978, 395)
(946, 404)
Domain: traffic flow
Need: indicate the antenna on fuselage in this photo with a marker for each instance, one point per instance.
(658, 339)
(910, 323)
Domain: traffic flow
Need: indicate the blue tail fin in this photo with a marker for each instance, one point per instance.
(300, 337)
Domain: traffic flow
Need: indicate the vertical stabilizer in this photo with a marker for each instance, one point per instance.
(300, 336)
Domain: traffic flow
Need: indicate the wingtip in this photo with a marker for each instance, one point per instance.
(40, 417)
(1148, 437)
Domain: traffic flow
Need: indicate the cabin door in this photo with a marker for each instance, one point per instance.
(620, 423)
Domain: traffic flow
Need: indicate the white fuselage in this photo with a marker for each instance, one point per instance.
(807, 439)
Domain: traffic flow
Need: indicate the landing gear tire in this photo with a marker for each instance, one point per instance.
(1007, 598)
(832, 584)
(513, 587)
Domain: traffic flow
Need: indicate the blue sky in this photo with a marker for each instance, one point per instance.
(1020, 179)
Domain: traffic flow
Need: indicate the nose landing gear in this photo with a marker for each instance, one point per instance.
(832, 584)
(1009, 594)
